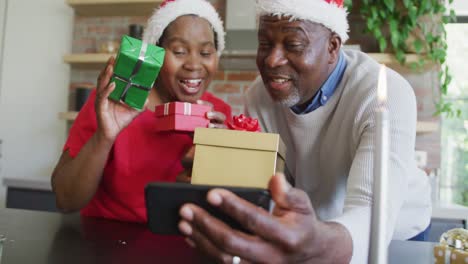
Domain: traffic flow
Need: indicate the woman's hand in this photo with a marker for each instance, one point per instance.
(217, 119)
(187, 163)
(111, 116)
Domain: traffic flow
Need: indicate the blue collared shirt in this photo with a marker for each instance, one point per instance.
(326, 91)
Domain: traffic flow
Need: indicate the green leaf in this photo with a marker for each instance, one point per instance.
(423, 5)
(406, 3)
(414, 66)
(382, 44)
(418, 46)
(394, 33)
(348, 4)
(374, 12)
(453, 16)
(400, 56)
(390, 4)
(402, 18)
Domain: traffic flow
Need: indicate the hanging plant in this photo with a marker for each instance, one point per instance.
(412, 26)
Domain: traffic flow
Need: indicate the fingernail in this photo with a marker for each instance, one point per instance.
(199, 101)
(186, 213)
(185, 228)
(209, 114)
(210, 125)
(190, 242)
(112, 85)
(214, 198)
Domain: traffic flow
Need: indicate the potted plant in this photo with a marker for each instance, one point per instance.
(411, 26)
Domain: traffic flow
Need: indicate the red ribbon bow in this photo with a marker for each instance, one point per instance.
(244, 123)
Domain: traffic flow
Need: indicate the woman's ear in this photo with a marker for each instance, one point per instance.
(334, 47)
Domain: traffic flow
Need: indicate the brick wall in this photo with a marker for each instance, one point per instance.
(89, 33)
(424, 83)
(426, 88)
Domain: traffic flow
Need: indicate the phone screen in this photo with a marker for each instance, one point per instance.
(163, 201)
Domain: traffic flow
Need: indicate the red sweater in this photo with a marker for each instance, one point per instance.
(139, 156)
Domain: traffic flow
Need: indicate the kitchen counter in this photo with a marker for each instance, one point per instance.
(33, 193)
(40, 237)
(36, 193)
(33, 183)
(450, 211)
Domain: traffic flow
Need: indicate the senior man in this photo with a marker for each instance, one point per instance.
(322, 101)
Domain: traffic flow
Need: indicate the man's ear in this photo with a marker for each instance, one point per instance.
(334, 47)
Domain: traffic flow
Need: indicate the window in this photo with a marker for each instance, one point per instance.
(454, 171)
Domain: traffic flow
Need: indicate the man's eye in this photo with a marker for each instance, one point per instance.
(295, 46)
(206, 53)
(263, 45)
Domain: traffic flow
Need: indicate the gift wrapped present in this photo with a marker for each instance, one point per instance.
(236, 157)
(136, 68)
(181, 116)
(453, 247)
(448, 255)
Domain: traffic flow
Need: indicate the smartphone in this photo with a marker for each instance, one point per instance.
(163, 201)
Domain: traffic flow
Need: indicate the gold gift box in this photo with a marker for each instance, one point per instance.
(448, 255)
(236, 158)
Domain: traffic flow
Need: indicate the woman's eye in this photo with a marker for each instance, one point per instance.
(178, 52)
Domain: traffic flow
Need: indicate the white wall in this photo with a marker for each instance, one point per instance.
(460, 7)
(34, 86)
(240, 15)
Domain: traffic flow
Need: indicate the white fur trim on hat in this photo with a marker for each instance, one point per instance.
(330, 15)
(164, 15)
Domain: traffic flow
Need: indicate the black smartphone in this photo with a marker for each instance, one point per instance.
(163, 201)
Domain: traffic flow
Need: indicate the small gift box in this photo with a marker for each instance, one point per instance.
(444, 254)
(136, 68)
(453, 247)
(237, 158)
(181, 116)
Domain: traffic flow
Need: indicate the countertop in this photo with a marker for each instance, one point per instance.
(39, 237)
(439, 210)
(34, 183)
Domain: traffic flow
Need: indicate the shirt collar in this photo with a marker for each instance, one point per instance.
(326, 90)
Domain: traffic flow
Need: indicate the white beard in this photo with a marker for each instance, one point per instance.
(292, 99)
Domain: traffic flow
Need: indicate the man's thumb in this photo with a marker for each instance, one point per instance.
(287, 197)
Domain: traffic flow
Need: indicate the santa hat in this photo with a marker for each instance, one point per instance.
(330, 13)
(170, 10)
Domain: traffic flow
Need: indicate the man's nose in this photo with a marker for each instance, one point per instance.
(275, 58)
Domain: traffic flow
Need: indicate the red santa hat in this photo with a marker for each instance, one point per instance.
(170, 10)
(330, 13)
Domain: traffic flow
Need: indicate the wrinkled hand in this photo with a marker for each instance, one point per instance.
(187, 163)
(111, 116)
(292, 234)
(217, 119)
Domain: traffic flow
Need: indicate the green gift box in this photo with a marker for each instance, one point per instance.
(136, 68)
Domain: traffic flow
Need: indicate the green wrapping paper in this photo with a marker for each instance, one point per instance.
(136, 68)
